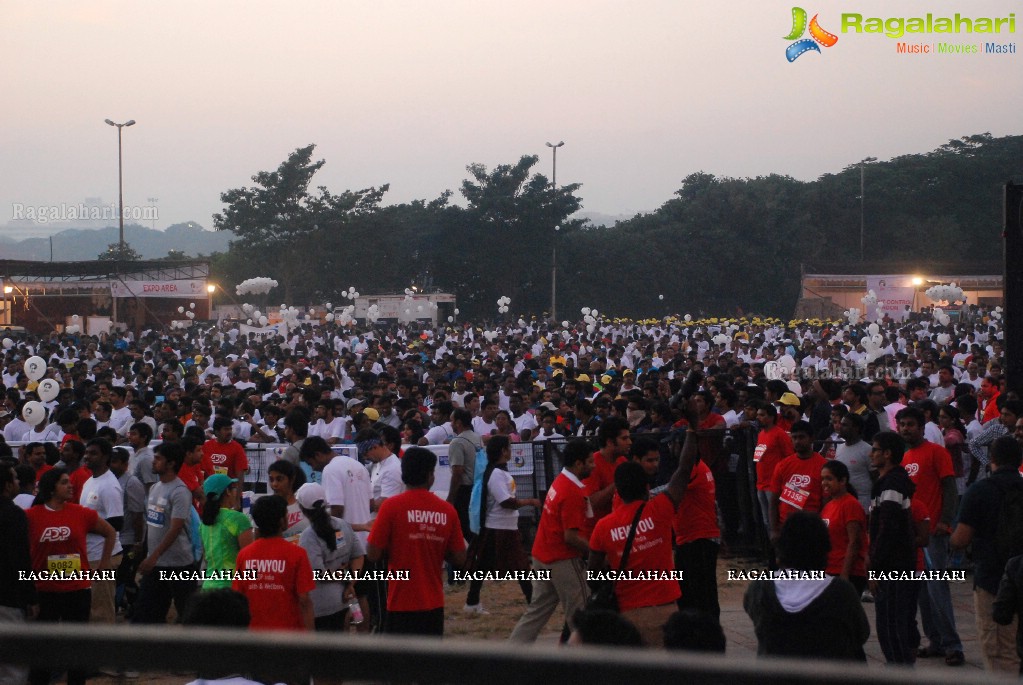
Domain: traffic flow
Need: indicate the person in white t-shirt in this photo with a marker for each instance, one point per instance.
(500, 545)
(102, 493)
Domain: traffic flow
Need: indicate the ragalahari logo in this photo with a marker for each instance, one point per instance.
(817, 35)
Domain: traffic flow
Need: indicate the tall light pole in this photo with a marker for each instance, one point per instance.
(554, 241)
(120, 203)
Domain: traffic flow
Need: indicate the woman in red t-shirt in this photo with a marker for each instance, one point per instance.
(57, 529)
(847, 526)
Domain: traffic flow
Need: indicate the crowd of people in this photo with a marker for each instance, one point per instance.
(855, 463)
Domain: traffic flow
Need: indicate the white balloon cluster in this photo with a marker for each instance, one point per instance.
(260, 285)
(946, 293)
(940, 316)
(8, 343)
(871, 345)
(74, 327)
(345, 318)
(373, 313)
(996, 314)
(853, 314)
(590, 318)
(352, 293)
(502, 304)
(490, 335)
(720, 339)
(872, 311)
(944, 338)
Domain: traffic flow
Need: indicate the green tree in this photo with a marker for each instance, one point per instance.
(116, 252)
(285, 231)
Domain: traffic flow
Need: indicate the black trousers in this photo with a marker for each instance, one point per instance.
(429, 623)
(62, 607)
(155, 595)
(698, 562)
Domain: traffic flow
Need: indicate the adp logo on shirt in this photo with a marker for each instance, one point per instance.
(818, 36)
(55, 534)
(798, 480)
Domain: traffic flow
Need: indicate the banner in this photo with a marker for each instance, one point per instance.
(895, 294)
(190, 289)
(265, 331)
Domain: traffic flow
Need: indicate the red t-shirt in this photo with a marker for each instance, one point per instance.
(193, 477)
(78, 478)
(837, 514)
(565, 508)
(603, 475)
(283, 574)
(991, 409)
(696, 518)
(773, 445)
(798, 484)
(43, 469)
(651, 551)
(417, 529)
(57, 542)
(927, 464)
(226, 458)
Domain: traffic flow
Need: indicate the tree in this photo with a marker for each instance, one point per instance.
(118, 253)
(285, 231)
(512, 219)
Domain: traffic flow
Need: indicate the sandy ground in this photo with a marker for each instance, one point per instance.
(505, 603)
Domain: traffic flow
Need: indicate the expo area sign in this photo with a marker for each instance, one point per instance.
(183, 288)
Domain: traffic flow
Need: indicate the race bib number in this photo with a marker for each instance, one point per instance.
(66, 563)
(156, 515)
(759, 452)
(794, 496)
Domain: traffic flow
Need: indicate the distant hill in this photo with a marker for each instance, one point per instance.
(83, 244)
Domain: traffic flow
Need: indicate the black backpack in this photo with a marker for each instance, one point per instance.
(1009, 530)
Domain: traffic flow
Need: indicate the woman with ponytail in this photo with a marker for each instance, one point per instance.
(222, 529)
(499, 545)
(333, 549)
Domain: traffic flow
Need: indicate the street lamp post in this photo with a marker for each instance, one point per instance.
(554, 241)
(120, 204)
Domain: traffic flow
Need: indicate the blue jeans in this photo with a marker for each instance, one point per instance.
(939, 621)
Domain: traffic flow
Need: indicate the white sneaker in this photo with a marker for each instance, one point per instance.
(475, 610)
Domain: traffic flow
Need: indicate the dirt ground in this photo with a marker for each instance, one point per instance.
(504, 601)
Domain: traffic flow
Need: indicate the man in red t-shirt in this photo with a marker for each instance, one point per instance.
(696, 543)
(796, 484)
(773, 445)
(279, 594)
(559, 545)
(930, 468)
(222, 454)
(647, 603)
(417, 531)
(615, 442)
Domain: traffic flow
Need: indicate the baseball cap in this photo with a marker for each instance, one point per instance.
(789, 399)
(354, 402)
(372, 413)
(217, 484)
(549, 406)
(311, 496)
(584, 378)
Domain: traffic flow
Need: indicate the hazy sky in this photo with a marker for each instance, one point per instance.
(409, 92)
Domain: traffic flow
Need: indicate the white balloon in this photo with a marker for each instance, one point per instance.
(75, 317)
(35, 368)
(249, 322)
(48, 390)
(660, 297)
(8, 343)
(450, 319)
(330, 306)
(191, 305)
(181, 310)
(456, 311)
(262, 320)
(687, 317)
(33, 413)
(565, 324)
(873, 329)
(190, 315)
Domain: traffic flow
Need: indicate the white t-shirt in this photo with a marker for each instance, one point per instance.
(438, 435)
(385, 478)
(500, 488)
(481, 427)
(104, 496)
(346, 483)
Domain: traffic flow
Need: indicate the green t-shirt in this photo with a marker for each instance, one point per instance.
(220, 543)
